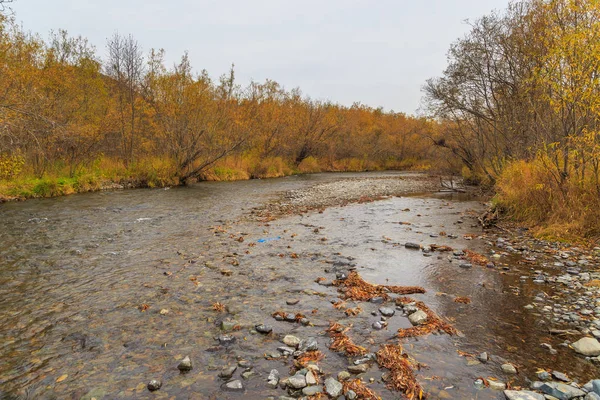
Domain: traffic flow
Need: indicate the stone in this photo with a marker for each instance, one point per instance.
(378, 325)
(483, 357)
(310, 378)
(509, 368)
(497, 385)
(466, 265)
(543, 376)
(228, 325)
(297, 381)
(377, 300)
(312, 390)
(292, 302)
(226, 340)
(592, 396)
(333, 387)
(291, 341)
(587, 346)
(560, 376)
(358, 369)
(185, 364)
(522, 395)
(596, 386)
(413, 246)
(343, 375)
(227, 372)
(248, 374)
(351, 395)
(234, 386)
(154, 384)
(309, 344)
(387, 311)
(264, 329)
(561, 391)
(273, 377)
(418, 317)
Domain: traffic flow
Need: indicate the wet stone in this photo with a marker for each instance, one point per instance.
(412, 246)
(227, 372)
(312, 390)
(561, 391)
(418, 318)
(387, 311)
(291, 341)
(509, 368)
(185, 364)
(154, 384)
(297, 381)
(309, 344)
(333, 387)
(248, 374)
(378, 325)
(522, 395)
(559, 376)
(234, 386)
(226, 340)
(264, 329)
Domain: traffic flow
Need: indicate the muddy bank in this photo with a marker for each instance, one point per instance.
(134, 282)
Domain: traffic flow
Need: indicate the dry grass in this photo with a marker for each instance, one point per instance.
(355, 288)
(476, 258)
(309, 357)
(219, 307)
(401, 376)
(362, 391)
(434, 323)
(341, 343)
(352, 312)
(464, 300)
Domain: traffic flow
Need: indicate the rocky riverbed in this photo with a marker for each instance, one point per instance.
(290, 288)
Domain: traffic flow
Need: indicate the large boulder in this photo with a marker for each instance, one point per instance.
(587, 346)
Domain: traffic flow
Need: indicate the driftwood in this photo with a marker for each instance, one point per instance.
(449, 186)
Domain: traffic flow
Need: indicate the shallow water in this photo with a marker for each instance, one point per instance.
(83, 280)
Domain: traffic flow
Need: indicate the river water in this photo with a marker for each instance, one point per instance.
(102, 292)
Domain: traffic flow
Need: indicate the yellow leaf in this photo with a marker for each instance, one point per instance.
(61, 378)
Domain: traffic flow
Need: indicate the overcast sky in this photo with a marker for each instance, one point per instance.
(377, 52)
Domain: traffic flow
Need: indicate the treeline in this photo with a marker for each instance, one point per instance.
(520, 104)
(70, 119)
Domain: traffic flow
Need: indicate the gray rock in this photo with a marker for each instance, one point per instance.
(587, 346)
(387, 311)
(483, 357)
(466, 265)
(333, 387)
(185, 364)
(560, 376)
(413, 246)
(543, 376)
(561, 391)
(291, 341)
(592, 396)
(377, 300)
(264, 329)
(596, 386)
(312, 390)
(234, 386)
(227, 372)
(248, 374)
(292, 302)
(226, 340)
(154, 384)
(358, 369)
(418, 317)
(297, 381)
(351, 395)
(378, 325)
(522, 395)
(309, 344)
(497, 385)
(509, 368)
(342, 376)
(310, 378)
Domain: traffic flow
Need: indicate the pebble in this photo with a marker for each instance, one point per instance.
(509, 368)
(483, 357)
(522, 395)
(264, 329)
(343, 375)
(185, 364)
(309, 344)
(358, 369)
(227, 372)
(312, 390)
(292, 302)
(291, 341)
(297, 381)
(378, 325)
(387, 311)
(418, 317)
(497, 385)
(333, 387)
(154, 384)
(234, 386)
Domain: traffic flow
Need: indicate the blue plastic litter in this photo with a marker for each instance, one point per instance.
(265, 240)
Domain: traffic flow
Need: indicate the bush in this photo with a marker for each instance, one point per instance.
(309, 165)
